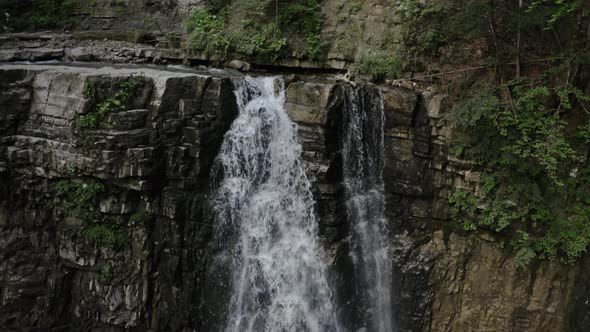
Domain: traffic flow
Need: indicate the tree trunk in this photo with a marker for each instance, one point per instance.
(277, 13)
(518, 39)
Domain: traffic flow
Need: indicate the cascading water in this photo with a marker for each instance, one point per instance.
(265, 209)
(362, 153)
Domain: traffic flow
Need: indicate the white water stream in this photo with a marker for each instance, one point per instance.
(278, 267)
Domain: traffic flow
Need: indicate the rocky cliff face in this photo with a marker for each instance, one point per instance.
(130, 257)
(350, 31)
(109, 227)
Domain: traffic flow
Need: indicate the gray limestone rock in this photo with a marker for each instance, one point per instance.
(134, 254)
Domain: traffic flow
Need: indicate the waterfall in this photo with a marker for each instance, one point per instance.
(362, 155)
(265, 211)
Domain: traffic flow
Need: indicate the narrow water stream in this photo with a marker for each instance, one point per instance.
(362, 156)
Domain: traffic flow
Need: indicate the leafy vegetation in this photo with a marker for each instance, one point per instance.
(207, 31)
(270, 30)
(520, 112)
(379, 67)
(305, 17)
(79, 196)
(536, 190)
(108, 99)
(464, 207)
(430, 26)
(559, 8)
(105, 235)
(488, 31)
(80, 199)
(42, 14)
(210, 33)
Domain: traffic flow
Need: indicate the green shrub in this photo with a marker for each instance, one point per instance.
(464, 207)
(117, 99)
(379, 67)
(44, 14)
(584, 134)
(105, 235)
(535, 192)
(79, 197)
(432, 25)
(266, 42)
(316, 46)
(295, 25)
(559, 9)
(476, 30)
(207, 31)
(305, 17)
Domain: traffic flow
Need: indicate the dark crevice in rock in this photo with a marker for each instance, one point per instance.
(579, 309)
(277, 69)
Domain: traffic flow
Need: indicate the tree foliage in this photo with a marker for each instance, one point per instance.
(535, 192)
(524, 119)
(41, 14)
(273, 30)
(489, 30)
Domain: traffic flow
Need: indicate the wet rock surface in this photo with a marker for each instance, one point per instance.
(132, 257)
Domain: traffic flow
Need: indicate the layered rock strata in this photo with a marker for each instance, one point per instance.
(109, 227)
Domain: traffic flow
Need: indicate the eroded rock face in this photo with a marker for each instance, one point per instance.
(153, 160)
(482, 289)
(352, 30)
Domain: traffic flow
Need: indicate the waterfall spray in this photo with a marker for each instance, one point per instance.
(278, 270)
